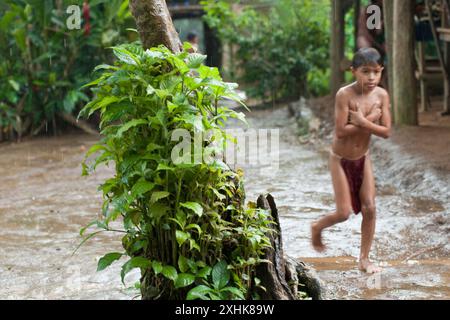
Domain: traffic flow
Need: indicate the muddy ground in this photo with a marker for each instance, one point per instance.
(44, 202)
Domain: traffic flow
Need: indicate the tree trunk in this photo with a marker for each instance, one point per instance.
(404, 81)
(388, 11)
(337, 45)
(155, 24)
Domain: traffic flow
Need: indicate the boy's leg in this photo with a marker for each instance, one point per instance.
(343, 203)
(367, 196)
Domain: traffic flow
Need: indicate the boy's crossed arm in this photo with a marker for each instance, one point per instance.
(345, 121)
(383, 129)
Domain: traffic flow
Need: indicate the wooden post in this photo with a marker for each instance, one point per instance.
(388, 12)
(357, 7)
(446, 107)
(445, 24)
(404, 86)
(337, 45)
(213, 47)
(421, 67)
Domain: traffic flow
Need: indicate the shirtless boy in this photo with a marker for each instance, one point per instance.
(362, 109)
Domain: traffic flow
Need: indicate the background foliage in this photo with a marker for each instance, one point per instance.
(43, 63)
(280, 50)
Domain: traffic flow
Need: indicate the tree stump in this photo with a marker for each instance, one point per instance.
(285, 276)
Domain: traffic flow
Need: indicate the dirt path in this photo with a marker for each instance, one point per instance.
(44, 202)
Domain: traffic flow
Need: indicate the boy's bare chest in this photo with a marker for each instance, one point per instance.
(366, 104)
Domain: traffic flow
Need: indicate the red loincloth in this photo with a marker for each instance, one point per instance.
(354, 171)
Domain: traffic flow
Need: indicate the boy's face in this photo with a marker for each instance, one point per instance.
(368, 76)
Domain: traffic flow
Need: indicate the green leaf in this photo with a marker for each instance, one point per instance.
(158, 195)
(70, 100)
(195, 120)
(195, 60)
(208, 72)
(183, 263)
(181, 218)
(184, 280)
(194, 245)
(82, 230)
(93, 83)
(220, 274)
(107, 259)
(20, 36)
(134, 217)
(194, 226)
(141, 187)
(5, 21)
(157, 267)
(136, 262)
(169, 272)
(153, 146)
(199, 292)
(157, 210)
(171, 106)
(204, 272)
(240, 116)
(126, 56)
(105, 66)
(14, 84)
(162, 167)
(238, 293)
(129, 125)
(192, 266)
(181, 236)
(215, 296)
(86, 239)
(194, 206)
(99, 104)
(95, 148)
(150, 90)
(154, 54)
(187, 45)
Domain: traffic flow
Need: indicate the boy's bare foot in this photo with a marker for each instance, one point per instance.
(368, 267)
(317, 238)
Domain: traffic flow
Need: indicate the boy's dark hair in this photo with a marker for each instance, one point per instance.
(366, 56)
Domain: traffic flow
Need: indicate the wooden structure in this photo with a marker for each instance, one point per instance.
(436, 18)
(443, 32)
(401, 44)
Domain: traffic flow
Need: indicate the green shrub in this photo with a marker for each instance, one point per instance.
(186, 225)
